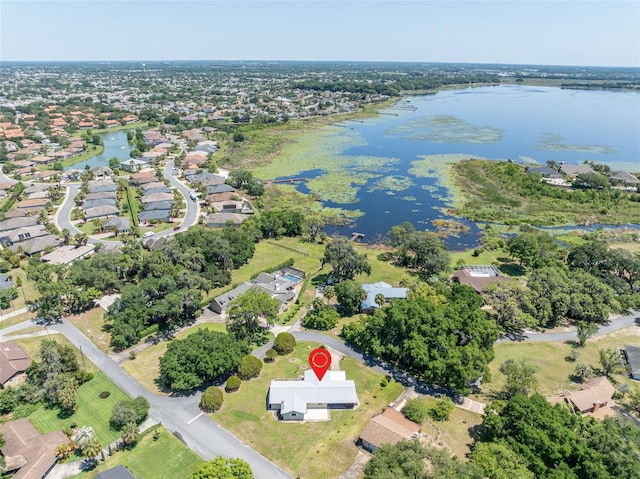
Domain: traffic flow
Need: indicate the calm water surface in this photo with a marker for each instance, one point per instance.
(115, 144)
(526, 124)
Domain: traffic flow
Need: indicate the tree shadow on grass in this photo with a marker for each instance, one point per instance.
(64, 413)
(386, 257)
(320, 279)
(510, 268)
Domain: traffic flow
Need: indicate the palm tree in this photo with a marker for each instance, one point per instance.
(91, 448)
(83, 435)
(43, 219)
(81, 239)
(66, 236)
(130, 433)
(97, 224)
(329, 293)
(583, 372)
(380, 299)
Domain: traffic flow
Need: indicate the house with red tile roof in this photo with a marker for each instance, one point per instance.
(13, 362)
(28, 453)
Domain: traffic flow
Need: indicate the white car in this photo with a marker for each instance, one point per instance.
(148, 234)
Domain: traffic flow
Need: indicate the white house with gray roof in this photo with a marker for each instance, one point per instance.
(279, 285)
(294, 398)
(368, 305)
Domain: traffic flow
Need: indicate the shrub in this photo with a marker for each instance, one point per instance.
(149, 330)
(233, 384)
(249, 368)
(270, 356)
(284, 343)
(442, 410)
(129, 410)
(415, 410)
(8, 400)
(211, 399)
(321, 319)
(104, 395)
(88, 377)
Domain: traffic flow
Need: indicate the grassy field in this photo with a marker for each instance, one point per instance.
(91, 151)
(165, 458)
(145, 368)
(16, 319)
(503, 192)
(554, 370)
(91, 323)
(455, 431)
(312, 450)
(93, 411)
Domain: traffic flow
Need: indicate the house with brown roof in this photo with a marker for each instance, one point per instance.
(13, 362)
(478, 276)
(390, 427)
(28, 453)
(593, 398)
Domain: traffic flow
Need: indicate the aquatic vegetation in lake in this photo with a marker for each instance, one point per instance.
(339, 187)
(409, 198)
(392, 183)
(445, 129)
(555, 142)
(439, 168)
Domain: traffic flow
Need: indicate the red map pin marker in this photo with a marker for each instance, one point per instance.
(320, 360)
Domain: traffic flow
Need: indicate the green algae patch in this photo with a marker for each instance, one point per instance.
(339, 187)
(392, 184)
(445, 129)
(439, 167)
(315, 150)
(558, 143)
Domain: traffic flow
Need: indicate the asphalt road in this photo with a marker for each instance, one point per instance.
(179, 414)
(63, 215)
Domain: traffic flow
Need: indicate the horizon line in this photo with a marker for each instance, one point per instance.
(319, 61)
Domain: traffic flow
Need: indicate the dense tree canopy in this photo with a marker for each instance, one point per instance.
(349, 295)
(344, 259)
(200, 358)
(553, 442)
(448, 344)
(223, 468)
(245, 313)
(420, 250)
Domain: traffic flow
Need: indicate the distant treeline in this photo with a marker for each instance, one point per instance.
(394, 85)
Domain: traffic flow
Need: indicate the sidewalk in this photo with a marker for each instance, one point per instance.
(12, 314)
(69, 469)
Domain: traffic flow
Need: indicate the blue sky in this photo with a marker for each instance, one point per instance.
(601, 33)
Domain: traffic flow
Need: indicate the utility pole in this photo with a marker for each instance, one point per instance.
(84, 366)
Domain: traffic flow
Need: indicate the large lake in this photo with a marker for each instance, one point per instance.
(391, 162)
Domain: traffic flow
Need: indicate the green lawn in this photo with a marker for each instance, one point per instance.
(312, 450)
(92, 411)
(553, 370)
(91, 323)
(308, 258)
(455, 431)
(166, 458)
(146, 367)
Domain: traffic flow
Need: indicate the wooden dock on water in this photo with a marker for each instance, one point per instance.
(286, 180)
(356, 236)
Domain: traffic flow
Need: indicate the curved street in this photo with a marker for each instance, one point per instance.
(179, 414)
(62, 217)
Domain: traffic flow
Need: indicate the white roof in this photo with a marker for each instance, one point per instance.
(294, 395)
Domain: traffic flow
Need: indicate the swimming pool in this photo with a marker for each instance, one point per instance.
(292, 277)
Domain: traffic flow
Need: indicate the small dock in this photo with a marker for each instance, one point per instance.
(356, 236)
(286, 180)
